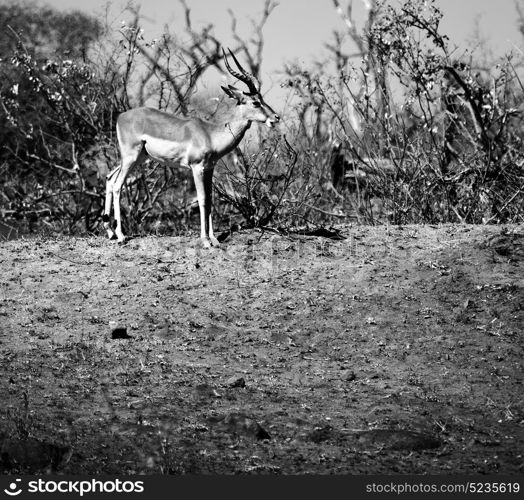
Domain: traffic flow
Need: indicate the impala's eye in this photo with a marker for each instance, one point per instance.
(257, 104)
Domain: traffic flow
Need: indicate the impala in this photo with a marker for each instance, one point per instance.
(191, 142)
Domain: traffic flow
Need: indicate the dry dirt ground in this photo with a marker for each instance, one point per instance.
(395, 350)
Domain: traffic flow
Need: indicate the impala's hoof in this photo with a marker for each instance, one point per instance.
(209, 242)
(121, 239)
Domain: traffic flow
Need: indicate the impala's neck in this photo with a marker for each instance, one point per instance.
(227, 135)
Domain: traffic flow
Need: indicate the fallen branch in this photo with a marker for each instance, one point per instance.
(331, 214)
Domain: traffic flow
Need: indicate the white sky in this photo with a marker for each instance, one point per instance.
(298, 27)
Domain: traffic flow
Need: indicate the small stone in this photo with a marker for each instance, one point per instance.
(236, 381)
(239, 423)
(120, 332)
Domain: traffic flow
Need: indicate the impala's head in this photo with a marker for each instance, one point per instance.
(254, 108)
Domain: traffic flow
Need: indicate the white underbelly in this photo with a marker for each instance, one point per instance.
(167, 152)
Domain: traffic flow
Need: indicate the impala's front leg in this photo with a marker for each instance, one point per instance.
(208, 188)
(203, 175)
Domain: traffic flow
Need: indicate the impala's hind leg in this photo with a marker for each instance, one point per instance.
(114, 187)
(109, 201)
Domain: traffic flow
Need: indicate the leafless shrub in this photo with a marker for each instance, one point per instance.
(446, 147)
(257, 183)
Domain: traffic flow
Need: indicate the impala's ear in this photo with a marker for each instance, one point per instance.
(234, 93)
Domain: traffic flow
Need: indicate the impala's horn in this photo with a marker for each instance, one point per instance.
(251, 82)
